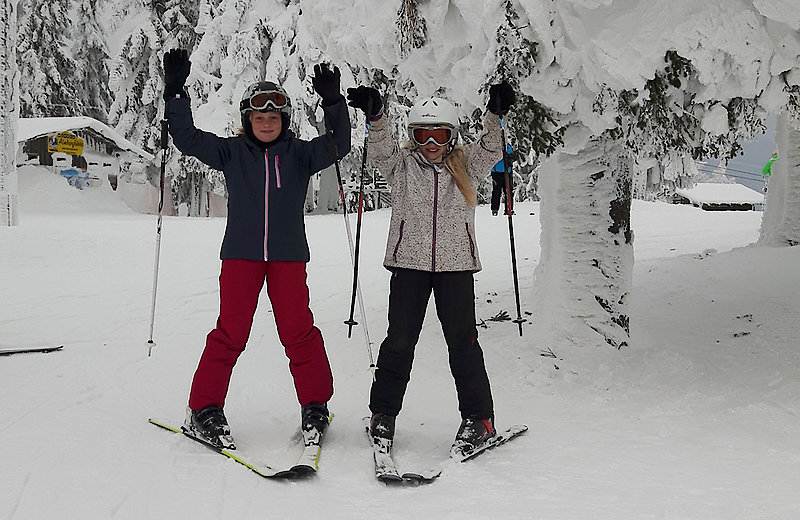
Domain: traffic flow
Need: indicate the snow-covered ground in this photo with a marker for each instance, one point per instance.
(698, 419)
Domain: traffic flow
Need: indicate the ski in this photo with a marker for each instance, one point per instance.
(386, 468)
(458, 457)
(307, 464)
(42, 350)
(261, 470)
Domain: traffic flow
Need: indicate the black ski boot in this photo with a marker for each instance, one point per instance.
(209, 425)
(381, 431)
(471, 434)
(381, 425)
(315, 418)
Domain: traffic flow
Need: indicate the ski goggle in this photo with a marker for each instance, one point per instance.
(422, 135)
(270, 99)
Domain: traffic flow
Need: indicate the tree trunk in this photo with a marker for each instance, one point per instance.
(584, 276)
(9, 199)
(780, 225)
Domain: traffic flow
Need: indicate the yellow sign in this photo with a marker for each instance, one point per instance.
(65, 142)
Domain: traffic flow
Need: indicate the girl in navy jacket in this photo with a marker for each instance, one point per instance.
(267, 170)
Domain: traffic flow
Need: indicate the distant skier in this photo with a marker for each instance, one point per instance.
(499, 183)
(431, 247)
(266, 170)
(767, 170)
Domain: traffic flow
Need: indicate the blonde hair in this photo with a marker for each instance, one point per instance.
(456, 162)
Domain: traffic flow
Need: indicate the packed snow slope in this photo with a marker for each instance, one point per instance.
(697, 419)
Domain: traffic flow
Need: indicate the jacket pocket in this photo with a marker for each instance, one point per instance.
(471, 244)
(399, 239)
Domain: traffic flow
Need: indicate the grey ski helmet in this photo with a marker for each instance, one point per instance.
(265, 96)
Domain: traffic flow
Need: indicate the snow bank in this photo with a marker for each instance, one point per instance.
(42, 191)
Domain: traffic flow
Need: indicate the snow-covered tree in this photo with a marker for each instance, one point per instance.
(135, 80)
(9, 199)
(412, 33)
(63, 59)
(47, 81)
(585, 270)
(533, 131)
(683, 82)
(176, 22)
(780, 225)
(91, 57)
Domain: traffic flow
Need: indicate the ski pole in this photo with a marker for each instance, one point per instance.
(350, 321)
(352, 259)
(164, 141)
(519, 321)
(335, 154)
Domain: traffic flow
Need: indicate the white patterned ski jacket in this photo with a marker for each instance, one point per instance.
(432, 227)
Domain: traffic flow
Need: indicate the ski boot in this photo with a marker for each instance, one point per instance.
(209, 425)
(381, 432)
(471, 434)
(314, 421)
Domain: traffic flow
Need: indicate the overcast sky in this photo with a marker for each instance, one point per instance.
(747, 167)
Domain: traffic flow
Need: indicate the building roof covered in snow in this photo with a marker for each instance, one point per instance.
(31, 128)
(722, 196)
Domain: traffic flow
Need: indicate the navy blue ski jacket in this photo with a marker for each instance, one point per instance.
(266, 188)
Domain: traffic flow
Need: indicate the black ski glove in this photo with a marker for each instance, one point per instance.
(501, 97)
(176, 70)
(326, 83)
(361, 97)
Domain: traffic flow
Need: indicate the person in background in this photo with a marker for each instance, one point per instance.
(499, 183)
(267, 170)
(431, 247)
(767, 170)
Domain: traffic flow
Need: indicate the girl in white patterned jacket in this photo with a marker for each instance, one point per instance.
(432, 248)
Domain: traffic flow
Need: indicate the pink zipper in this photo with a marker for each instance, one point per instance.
(278, 170)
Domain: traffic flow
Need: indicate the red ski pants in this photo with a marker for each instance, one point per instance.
(240, 283)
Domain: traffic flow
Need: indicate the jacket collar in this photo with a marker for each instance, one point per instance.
(425, 163)
(252, 142)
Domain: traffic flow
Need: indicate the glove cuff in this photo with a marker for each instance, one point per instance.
(328, 101)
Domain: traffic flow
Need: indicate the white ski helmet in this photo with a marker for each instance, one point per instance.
(434, 112)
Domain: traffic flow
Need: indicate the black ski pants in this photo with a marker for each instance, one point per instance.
(454, 295)
(499, 190)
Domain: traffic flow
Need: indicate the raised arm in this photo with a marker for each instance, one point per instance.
(207, 147)
(484, 153)
(382, 149)
(335, 144)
